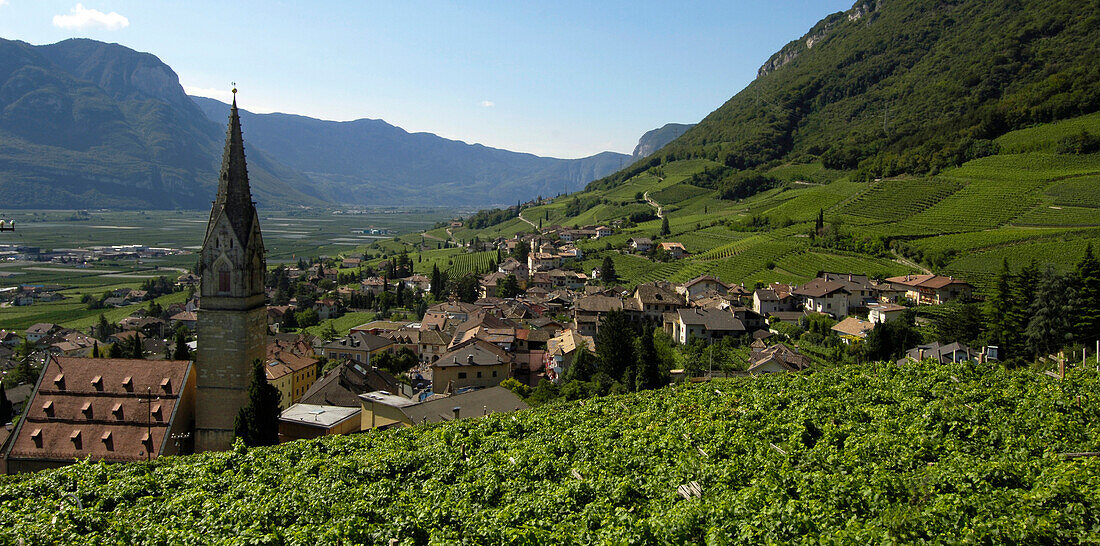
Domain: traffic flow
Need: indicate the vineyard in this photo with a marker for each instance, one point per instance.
(877, 454)
(981, 268)
(473, 262)
(1079, 192)
(890, 200)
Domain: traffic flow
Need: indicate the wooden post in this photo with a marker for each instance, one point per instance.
(1062, 364)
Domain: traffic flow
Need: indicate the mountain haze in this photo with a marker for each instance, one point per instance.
(86, 124)
(89, 124)
(656, 139)
(369, 161)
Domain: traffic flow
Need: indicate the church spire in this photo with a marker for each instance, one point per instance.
(234, 194)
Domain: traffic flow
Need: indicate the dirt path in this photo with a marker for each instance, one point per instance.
(654, 204)
(910, 263)
(520, 216)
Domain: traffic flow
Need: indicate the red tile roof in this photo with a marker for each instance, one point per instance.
(101, 408)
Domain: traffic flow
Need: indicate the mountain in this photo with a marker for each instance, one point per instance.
(370, 161)
(905, 86)
(656, 139)
(89, 124)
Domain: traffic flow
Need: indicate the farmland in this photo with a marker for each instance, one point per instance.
(288, 235)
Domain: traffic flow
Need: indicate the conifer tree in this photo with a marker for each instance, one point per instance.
(664, 226)
(584, 365)
(607, 271)
(647, 374)
(257, 422)
(95, 349)
(182, 352)
(115, 350)
(1050, 327)
(1087, 304)
(615, 347)
(136, 350)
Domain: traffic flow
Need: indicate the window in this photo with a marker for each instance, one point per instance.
(462, 375)
(479, 375)
(223, 281)
(494, 373)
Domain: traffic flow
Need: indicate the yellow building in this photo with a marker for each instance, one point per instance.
(475, 363)
(291, 375)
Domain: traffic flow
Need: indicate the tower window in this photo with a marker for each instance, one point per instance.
(223, 281)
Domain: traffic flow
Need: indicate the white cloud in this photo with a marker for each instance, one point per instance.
(488, 103)
(82, 18)
(224, 95)
(2, 2)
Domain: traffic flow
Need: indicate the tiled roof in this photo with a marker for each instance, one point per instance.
(99, 408)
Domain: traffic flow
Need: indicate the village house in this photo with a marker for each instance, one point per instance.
(589, 311)
(773, 299)
(776, 359)
(655, 299)
(342, 385)
(562, 349)
(824, 296)
(113, 410)
(358, 347)
(40, 330)
(950, 352)
(880, 313)
(476, 363)
(853, 329)
(932, 289)
(603, 231)
(306, 421)
(709, 325)
(291, 374)
(702, 286)
(640, 244)
(675, 250)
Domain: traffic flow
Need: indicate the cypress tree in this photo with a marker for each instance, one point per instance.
(664, 226)
(136, 350)
(182, 352)
(115, 351)
(1087, 304)
(607, 271)
(647, 373)
(584, 365)
(95, 349)
(257, 422)
(615, 347)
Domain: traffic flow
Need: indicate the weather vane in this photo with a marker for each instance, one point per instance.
(234, 84)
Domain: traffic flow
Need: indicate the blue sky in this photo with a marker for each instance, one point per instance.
(564, 79)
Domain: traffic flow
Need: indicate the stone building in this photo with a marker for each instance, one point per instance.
(232, 319)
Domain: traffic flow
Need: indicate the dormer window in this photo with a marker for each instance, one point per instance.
(36, 437)
(97, 382)
(47, 408)
(128, 383)
(108, 440)
(75, 438)
(86, 409)
(117, 410)
(59, 381)
(166, 385)
(156, 412)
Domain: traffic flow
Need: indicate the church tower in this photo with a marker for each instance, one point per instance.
(232, 317)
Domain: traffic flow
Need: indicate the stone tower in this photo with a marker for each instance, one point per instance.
(232, 318)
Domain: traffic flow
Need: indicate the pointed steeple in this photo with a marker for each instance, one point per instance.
(234, 194)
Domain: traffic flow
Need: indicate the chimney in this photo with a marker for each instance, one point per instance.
(456, 410)
(921, 353)
(470, 359)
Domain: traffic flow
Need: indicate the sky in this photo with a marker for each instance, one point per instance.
(562, 79)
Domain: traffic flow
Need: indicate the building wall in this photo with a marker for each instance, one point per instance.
(229, 341)
(376, 415)
(491, 375)
(290, 431)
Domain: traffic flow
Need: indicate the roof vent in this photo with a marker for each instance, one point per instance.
(59, 381)
(48, 408)
(166, 384)
(86, 409)
(128, 383)
(97, 382)
(469, 359)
